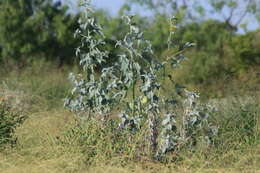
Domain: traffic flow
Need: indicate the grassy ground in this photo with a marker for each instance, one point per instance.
(45, 142)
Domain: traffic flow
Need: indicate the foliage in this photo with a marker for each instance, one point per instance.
(9, 120)
(246, 50)
(36, 28)
(209, 59)
(232, 12)
(216, 56)
(133, 87)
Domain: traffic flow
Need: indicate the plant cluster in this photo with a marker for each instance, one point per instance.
(134, 88)
(9, 120)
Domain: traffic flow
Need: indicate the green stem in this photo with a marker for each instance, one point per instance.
(133, 86)
(133, 98)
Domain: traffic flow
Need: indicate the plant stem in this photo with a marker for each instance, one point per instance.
(133, 86)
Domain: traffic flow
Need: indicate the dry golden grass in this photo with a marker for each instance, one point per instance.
(39, 152)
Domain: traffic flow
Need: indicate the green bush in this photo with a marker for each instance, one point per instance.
(9, 120)
(246, 48)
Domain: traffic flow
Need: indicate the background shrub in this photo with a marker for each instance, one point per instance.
(9, 120)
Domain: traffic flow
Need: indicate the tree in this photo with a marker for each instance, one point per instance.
(36, 27)
(233, 12)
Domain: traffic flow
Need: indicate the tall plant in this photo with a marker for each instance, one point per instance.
(134, 86)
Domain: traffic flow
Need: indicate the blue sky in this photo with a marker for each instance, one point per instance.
(110, 5)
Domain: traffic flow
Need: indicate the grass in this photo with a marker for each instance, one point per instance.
(48, 141)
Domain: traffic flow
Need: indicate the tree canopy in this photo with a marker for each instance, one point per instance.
(36, 28)
(232, 12)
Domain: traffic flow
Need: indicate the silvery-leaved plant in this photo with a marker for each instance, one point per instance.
(138, 72)
(134, 85)
(93, 93)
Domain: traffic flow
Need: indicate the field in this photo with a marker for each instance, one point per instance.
(44, 142)
(85, 90)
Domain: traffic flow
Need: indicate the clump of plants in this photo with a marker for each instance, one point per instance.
(9, 120)
(137, 88)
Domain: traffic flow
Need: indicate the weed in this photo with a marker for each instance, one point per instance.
(9, 120)
(133, 86)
